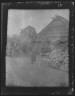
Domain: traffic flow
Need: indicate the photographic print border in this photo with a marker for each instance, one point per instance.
(37, 5)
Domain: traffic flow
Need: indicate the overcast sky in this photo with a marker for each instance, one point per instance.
(18, 19)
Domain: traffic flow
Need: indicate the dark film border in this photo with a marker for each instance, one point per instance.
(38, 5)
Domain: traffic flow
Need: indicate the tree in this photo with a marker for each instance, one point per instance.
(28, 36)
(18, 46)
(13, 46)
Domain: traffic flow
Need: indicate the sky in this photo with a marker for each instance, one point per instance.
(19, 19)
